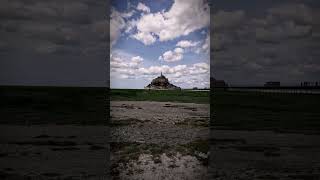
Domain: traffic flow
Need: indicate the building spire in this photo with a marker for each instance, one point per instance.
(161, 73)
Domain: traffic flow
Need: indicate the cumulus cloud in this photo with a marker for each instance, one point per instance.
(128, 14)
(144, 37)
(184, 17)
(48, 35)
(186, 44)
(172, 56)
(143, 7)
(52, 22)
(117, 23)
(124, 67)
(280, 44)
(130, 25)
(206, 45)
(123, 61)
(137, 59)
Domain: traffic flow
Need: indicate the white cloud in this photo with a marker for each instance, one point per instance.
(177, 71)
(128, 14)
(117, 23)
(130, 25)
(145, 38)
(204, 66)
(137, 59)
(184, 17)
(124, 61)
(205, 47)
(117, 62)
(178, 50)
(172, 56)
(186, 44)
(124, 67)
(199, 68)
(143, 7)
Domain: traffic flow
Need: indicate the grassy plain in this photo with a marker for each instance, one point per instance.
(229, 110)
(242, 110)
(184, 96)
(265, 111)
(28, 105)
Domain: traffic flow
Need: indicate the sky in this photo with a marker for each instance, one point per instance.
(266, 40)
(53, 43)
(148, 37)
(65, 43)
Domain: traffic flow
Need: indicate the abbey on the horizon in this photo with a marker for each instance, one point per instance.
(161, 83)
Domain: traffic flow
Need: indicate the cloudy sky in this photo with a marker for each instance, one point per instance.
(53, 42)
(266, 40)
(66, 42)
(152, 36)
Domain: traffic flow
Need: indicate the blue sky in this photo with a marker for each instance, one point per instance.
(149, 37)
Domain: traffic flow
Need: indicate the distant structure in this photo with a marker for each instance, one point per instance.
(310, 84)
(161, 83)
(218, 83)
(272, 84)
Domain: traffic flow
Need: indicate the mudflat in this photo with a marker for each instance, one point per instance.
(53, 132)
(241, 154)
(159, 140)
(53, 151)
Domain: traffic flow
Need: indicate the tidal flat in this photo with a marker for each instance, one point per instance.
(247, 135)
(53, 132)
(257, 135)
(253, 135)
(159, 140)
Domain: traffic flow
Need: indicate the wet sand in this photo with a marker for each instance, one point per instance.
(53, 152)
(264, 155)
(159, 140)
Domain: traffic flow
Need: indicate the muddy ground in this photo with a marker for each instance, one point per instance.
(156, 140)
(264, 155)
(53, 152)
(159, 140)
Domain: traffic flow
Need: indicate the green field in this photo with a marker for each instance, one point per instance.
(229, 110)
(257, 111)
(242, 110)
(185, 96)
(27, 105)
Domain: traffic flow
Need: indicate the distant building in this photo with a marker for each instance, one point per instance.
(310, 84)
(272, 84)
(218, 83)
(161, 83)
